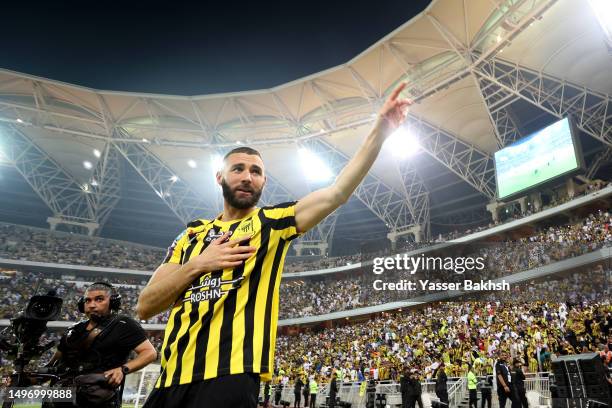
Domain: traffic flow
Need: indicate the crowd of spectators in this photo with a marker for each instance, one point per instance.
(334, 292)
(323, 294)
(37, 244)
(532, 323)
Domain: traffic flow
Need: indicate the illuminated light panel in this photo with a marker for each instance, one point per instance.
(402, 143)
(314, 168)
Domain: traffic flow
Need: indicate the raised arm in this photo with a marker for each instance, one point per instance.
(311, 209)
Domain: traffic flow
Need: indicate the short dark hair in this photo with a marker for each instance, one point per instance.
(101, 287)
(242, 149)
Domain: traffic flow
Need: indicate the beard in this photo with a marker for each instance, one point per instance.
(240, 203)
(98, 318)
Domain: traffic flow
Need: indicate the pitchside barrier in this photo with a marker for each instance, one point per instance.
(138, 386)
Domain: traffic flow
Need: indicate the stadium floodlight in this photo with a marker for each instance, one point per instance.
(192, 163)
(314, 168)
(94, 183)
(87, 164)
(402, 143)
(19, 120)
(97, 153)
(174, 179)
(603, 13)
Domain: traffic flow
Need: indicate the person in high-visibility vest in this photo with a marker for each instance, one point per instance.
(314, 389)
(340, 375)
(472, 386)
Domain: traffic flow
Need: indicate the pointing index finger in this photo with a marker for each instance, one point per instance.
(397, 91)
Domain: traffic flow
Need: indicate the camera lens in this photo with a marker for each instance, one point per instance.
(43, 307)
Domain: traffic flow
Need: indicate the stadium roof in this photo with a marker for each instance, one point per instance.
(483, 73)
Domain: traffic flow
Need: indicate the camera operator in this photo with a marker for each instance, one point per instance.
(94, 353)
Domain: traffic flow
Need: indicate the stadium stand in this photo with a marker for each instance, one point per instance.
(337, 292)
(42, 245)
(36, 244)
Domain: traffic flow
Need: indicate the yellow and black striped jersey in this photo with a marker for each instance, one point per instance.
(225, 322)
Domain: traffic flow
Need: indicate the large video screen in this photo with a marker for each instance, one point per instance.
(542, 156)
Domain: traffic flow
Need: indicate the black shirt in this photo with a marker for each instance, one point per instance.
(518, 379)
(298, 386)
(486, 384)
(416, 386)
(500, 368)
(333, 387)
(110, 349)
(441, 381)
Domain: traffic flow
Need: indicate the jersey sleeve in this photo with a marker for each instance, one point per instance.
(282, 218)
(175, 250)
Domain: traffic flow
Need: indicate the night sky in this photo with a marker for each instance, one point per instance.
(190, 49)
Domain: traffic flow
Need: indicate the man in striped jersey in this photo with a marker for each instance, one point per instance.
(222, 278)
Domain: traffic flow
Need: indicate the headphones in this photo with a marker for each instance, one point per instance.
(115, 298)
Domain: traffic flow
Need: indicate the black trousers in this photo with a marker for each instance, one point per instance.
(267, 400)
(486, 397)
(228, 391)
(306, 400)
(521, 398)
(412, 400)
(297, 399)
(313, 400)
(473, 399)
(443, 396)
(503, 397)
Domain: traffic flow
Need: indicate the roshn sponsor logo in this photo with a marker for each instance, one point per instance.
(209, 288)
(212, 235)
